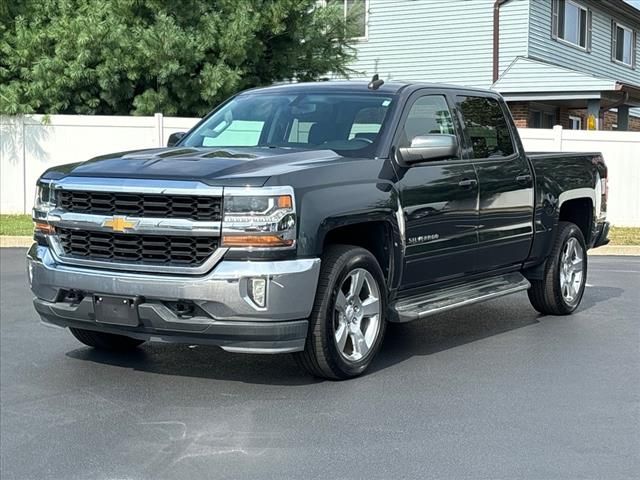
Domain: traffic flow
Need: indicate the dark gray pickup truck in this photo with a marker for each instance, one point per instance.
(302, 218)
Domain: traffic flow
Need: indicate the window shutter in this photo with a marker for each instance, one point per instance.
(554, 19)
(589, 30)
(614, 39)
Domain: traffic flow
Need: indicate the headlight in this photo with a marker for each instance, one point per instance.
(42, 205)
(45, 198)
(260, 217)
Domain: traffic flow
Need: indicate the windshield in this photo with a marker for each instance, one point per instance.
(346, 123)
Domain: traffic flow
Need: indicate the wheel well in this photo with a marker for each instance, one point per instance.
(580, 212)
(372, 236)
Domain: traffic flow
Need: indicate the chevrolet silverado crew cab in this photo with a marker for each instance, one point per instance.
(304, 217)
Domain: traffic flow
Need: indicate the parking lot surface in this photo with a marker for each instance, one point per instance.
(491, 391)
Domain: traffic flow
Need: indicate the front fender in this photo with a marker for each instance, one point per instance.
(343, 194)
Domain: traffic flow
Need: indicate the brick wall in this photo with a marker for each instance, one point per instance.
(520, 113)
(563, 115)
(610, 118)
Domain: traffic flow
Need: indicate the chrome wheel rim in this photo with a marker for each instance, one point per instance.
(571, 270)
(357, 315)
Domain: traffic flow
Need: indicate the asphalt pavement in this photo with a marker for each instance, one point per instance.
(491, 391)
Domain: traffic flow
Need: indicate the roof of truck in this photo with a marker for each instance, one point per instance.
(389, 87)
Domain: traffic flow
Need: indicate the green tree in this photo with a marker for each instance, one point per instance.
(145, 56)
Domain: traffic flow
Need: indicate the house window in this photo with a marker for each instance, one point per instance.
(356, 9)
(542, 118)
(575, 123)
(623, 44)
(571, 23)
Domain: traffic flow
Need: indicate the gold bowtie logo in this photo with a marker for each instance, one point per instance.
(119, 224)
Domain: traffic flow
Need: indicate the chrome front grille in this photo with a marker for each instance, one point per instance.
(192, 207)
(171, 250)
(137, 225)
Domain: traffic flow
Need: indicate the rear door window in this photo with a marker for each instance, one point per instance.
(486, 127)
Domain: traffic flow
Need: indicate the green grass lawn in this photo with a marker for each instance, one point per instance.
(624, 236)
(16, 225)
(22, 225)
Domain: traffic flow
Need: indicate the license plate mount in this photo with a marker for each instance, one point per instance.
(115, 310)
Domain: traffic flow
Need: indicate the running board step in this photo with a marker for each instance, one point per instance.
(421, 306)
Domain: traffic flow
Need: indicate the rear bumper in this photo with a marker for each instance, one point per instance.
(602, 235)
(225, 315)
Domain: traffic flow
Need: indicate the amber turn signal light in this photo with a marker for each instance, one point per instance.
(285, 201)
(45, 228)
(255, 241)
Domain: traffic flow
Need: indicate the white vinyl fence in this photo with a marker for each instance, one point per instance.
(621, 151)
(30, 145)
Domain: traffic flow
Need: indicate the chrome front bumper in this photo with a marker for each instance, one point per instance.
(232, 320)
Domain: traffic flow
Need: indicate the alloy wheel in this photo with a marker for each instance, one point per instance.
(357, 315)
(571, 270)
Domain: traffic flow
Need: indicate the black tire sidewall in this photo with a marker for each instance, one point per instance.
(339, 271)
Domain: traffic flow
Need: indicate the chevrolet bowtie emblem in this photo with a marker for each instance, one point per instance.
(119, 224)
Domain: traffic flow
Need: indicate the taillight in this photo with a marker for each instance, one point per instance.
(602, 191)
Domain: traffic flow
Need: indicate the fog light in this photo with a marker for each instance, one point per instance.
(257, 290)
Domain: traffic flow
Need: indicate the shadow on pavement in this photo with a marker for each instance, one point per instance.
(202, 361)
(595, 295)
(403, 341)
(453, 329)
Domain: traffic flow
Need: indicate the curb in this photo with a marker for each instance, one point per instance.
(22, 241)
(629, 250)
(7, 241)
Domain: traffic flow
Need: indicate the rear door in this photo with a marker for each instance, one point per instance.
(439, 199)
(505, 222)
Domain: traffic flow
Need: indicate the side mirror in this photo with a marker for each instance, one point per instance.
(175, 138)
(429, 147)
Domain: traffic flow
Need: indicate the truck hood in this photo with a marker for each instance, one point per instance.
(226, 167)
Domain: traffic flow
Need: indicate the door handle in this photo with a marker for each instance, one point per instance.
(467, 183)
(526, 178)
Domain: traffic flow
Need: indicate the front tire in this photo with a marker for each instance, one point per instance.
(105, 341)
(347, 324)
(561, 289)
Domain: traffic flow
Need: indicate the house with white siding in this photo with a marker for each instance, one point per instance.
(567, 62)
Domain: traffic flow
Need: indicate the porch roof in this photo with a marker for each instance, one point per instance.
(528, 79)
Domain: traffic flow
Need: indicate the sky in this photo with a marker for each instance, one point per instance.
(635, 3)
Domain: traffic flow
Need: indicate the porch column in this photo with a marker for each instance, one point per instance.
(593, 108)
(623, 117)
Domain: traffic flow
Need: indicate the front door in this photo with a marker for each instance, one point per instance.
(439, 200)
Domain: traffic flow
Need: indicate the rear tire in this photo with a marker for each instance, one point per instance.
(105, 341)
(347, 323)
(565, 275)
